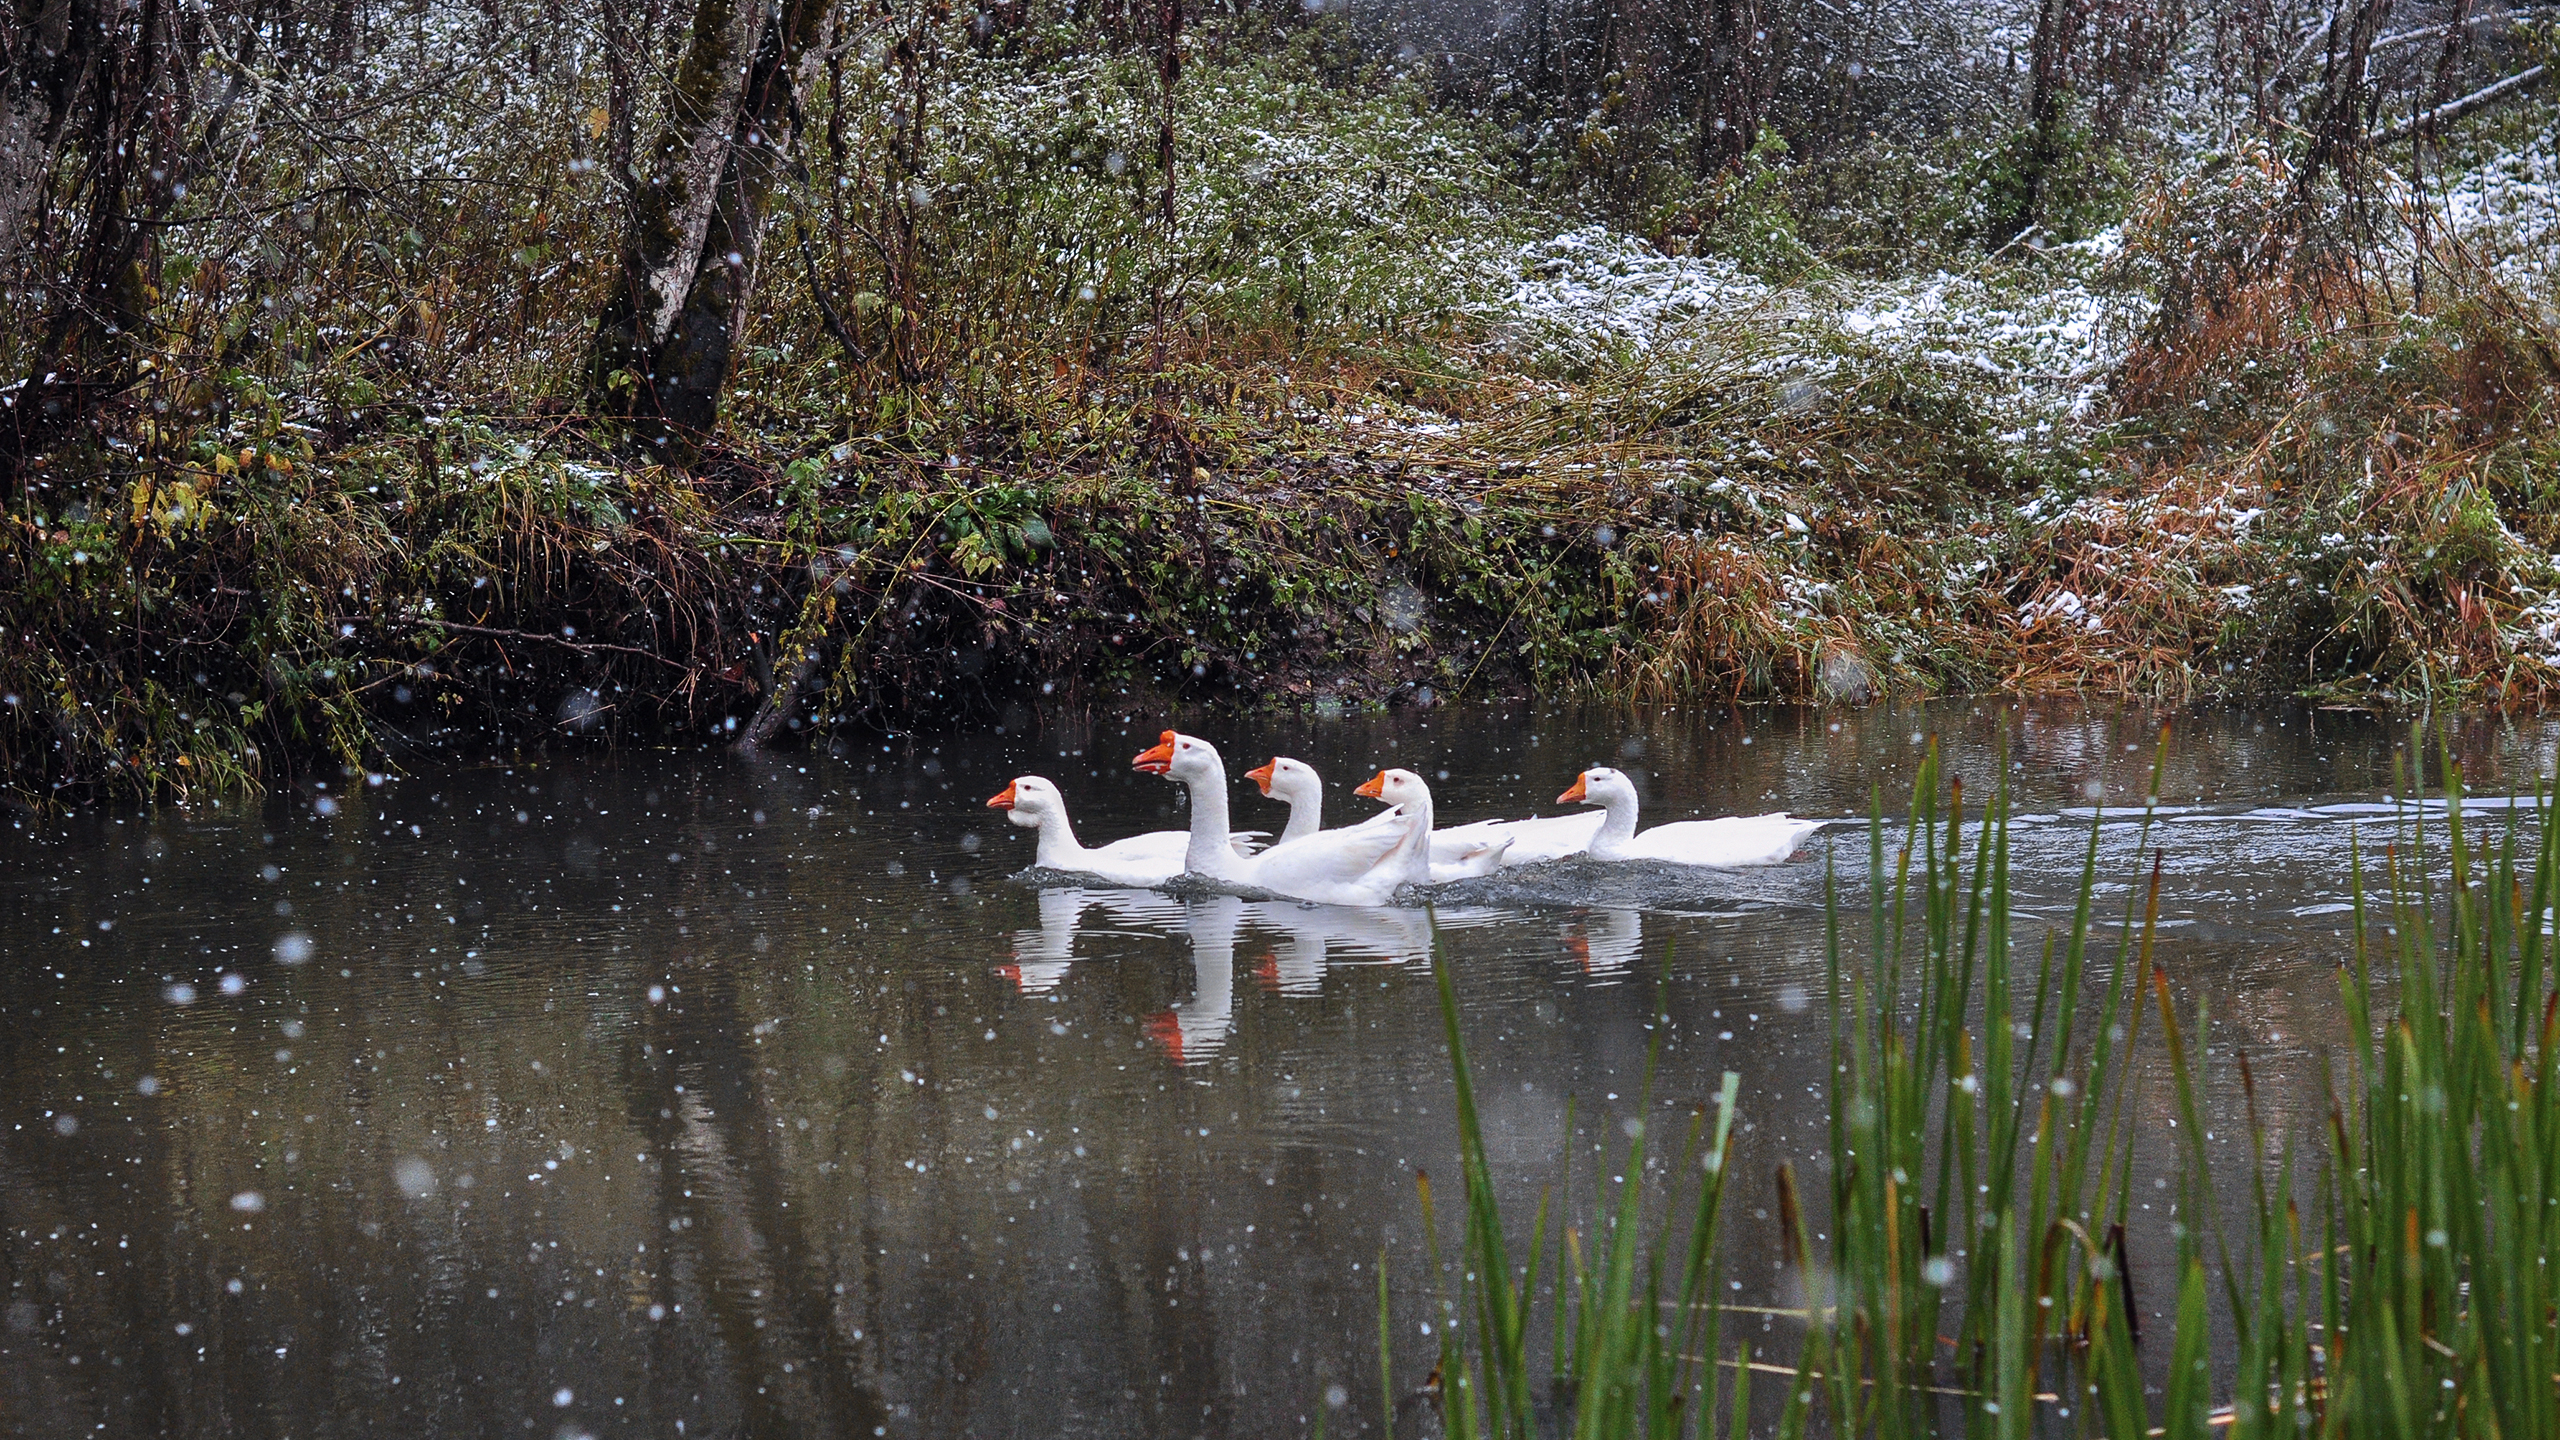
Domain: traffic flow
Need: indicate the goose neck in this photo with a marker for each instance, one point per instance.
(1306, 812)
(1618, 822)
(1417, 839)
(1057, 848)
(1209, 852)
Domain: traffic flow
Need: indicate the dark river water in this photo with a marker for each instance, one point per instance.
(688, 1094)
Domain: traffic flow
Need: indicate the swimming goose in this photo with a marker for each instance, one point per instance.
(1422, 865)
(1295, 783)
(1734, 840)
(1148, 859)
(1533, 840)
(1347, 866)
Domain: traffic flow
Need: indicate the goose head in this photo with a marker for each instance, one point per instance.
(1287, 780)
(1598, 785)
(1028, 801)
(1395, 787)
(1177, 756)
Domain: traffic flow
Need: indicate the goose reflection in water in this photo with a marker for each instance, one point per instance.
(1605, 943)
(1298, 944)
(1307, 940)
(1041, 957)
(1192, 1033)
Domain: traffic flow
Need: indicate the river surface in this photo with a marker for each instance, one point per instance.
(691, 1094)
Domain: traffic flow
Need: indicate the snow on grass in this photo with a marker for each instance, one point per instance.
(2509, 209)
(2036, 344)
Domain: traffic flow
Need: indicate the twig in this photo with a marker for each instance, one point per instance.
(583, 647)
(2481, 99)
(826, 308)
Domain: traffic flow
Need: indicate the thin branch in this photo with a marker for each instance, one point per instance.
(827, 315)
(583, 647)
(2429, 32)
(2513, 86)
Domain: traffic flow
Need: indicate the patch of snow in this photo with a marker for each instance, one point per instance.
(2037, 355)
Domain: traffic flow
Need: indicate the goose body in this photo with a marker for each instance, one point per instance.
(1346, 866)
(1727, 843)
(1296, 784)
(1534, 840)
(1147, 859)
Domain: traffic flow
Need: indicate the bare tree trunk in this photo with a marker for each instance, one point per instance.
(1734, 94)
(2021, 208)
(779, 711)
(2514, 87)
(2338, 121)
(1168, 70)
(106, 82)
(39, 72)
(623, 50)
(666, 341)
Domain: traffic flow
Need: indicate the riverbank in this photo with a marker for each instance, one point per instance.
(1359, 532)
(1370, 426)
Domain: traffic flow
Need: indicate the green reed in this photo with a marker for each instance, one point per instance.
(1981, 1169)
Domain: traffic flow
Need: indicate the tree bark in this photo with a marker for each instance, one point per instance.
(667, 341)
(1169, 74)
(1733, 91)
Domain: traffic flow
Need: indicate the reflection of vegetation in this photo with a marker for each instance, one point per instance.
(763, 1276)
(1981, 1154)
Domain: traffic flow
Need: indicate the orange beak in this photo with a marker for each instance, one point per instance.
(1003, 801)
(1375, 787)
(1157, 759)
(1261, 775)
(1575, 796)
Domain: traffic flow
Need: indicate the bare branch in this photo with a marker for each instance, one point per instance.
(2514, 86)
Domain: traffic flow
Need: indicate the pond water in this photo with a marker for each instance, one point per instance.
(703, 1095)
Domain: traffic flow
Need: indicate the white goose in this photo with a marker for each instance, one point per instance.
(1348, 866)
(1732, 841)
(1295, 783)
(1405, 790)
(1148, 859)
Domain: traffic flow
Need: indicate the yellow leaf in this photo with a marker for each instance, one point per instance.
(596, 121)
